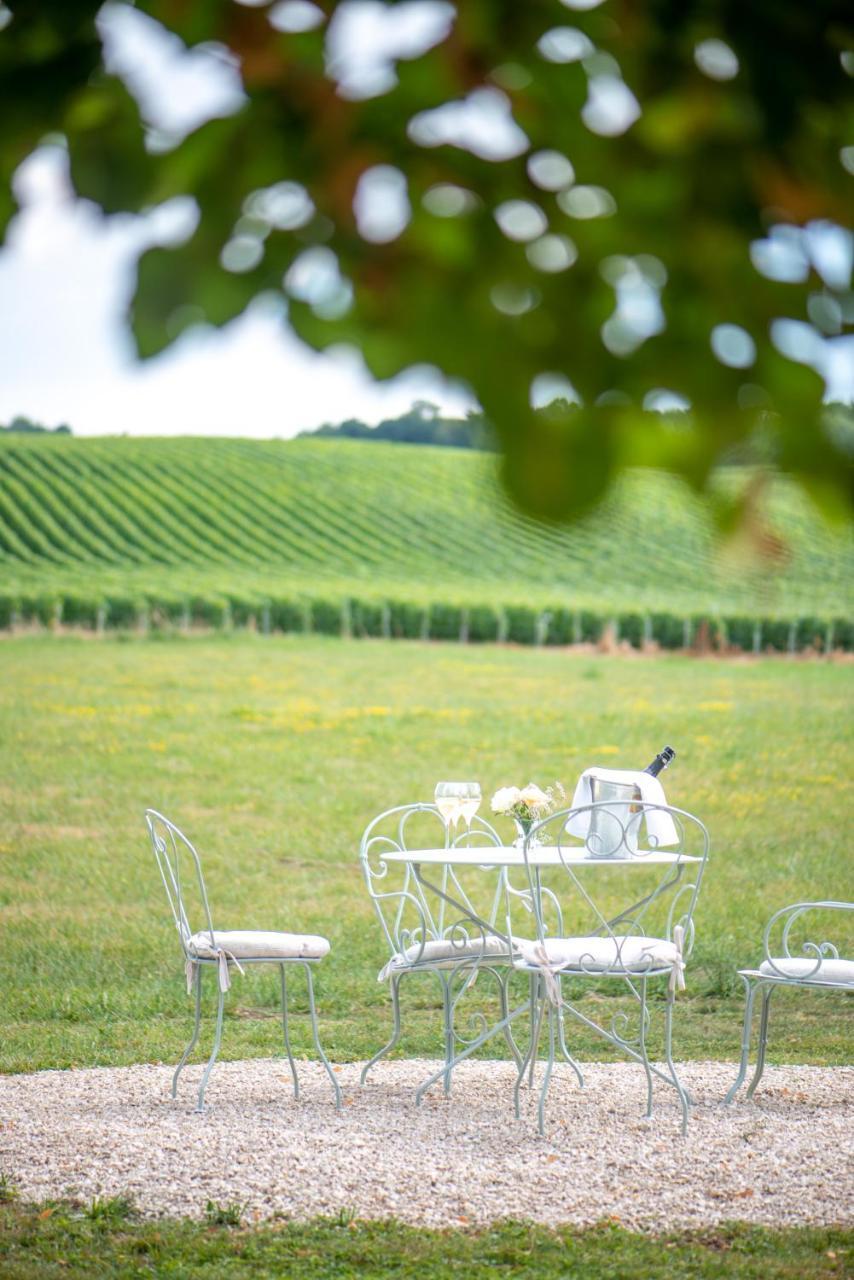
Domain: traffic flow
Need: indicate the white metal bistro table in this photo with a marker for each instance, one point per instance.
(489, 855)
(538, 858)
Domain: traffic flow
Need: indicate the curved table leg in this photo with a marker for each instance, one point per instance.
(549, 1068)
(395, 1034)
(540, 1001)
(469, 1050)
(536, 1024)
(504, 1006)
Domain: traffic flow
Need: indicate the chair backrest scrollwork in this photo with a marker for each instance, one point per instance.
(620, 833)
(783, 937)
(180, 870)
(409, 915)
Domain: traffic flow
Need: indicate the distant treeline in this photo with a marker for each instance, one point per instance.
(34, 428)
(424, 425)
(421, 425)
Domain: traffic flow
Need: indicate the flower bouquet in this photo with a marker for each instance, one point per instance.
(527, 805)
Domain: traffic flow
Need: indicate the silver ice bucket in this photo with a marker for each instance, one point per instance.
(615, 823)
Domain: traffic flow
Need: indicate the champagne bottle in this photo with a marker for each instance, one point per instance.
(661, 761)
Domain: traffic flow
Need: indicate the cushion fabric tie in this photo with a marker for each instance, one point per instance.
(223, 958)
(677, 969)
(549, 970)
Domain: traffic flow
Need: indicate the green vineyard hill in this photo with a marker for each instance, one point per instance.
(381, 539)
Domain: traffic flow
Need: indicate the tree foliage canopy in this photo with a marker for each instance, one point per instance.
(422, 424)
(666, 169)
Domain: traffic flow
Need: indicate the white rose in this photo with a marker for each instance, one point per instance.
(505, 798)
(534, 797)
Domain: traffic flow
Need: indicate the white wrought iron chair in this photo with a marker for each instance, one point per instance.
(209, 948)
(648, 940)
(423, 933)
(816, 966)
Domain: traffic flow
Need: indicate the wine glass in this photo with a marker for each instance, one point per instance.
(456, 800)
(470, 801)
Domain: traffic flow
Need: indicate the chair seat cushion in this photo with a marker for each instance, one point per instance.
(804, 968)
(444, 952)
(255, 944)
(631, 953)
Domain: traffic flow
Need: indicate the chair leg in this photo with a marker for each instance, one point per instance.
(448, 1027)
(395, 1034)
(530, 1056)
(285, 1029)
(537, 1009)
(763, 1040)
(200, 1104)
(197, 982)
(316, 1036)
(750, 990)
(643, 1025)
(561, 1029)
(541, 1110)
(668, 1053)
(526, 1058)
(503, 983)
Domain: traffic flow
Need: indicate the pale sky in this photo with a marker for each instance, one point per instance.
(66, 271)
(66, 354)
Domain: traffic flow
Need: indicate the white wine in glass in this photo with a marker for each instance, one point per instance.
(470, 803)
(456, 800)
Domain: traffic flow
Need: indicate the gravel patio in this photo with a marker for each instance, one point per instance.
(783, 1159)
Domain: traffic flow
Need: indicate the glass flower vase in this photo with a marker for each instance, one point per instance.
(523, 831)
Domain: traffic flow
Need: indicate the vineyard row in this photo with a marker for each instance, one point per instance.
(397, 619)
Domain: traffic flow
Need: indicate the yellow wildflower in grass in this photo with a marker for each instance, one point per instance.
(62, 709)
(641, 704)
(301, 724)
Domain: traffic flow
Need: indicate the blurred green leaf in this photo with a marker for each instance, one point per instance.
(708, 168)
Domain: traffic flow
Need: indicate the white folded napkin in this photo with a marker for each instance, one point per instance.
(660, 826)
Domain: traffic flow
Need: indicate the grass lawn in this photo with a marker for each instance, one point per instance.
(44, 1242)
(274, 753)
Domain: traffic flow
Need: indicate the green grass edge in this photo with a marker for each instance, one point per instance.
(109, 1238)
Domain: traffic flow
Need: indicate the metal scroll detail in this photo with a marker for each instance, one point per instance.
(433, 925)
(632, 942)
(792, 964)
(409, 917)
(788, 918)
(171, 850)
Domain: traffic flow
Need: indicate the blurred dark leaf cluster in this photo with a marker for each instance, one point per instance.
(663, 215)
